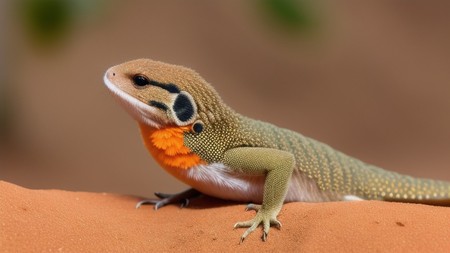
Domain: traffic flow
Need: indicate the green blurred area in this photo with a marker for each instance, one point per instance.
(49, 23)
(295, 16)
(47, 20)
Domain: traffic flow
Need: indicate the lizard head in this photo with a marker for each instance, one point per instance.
(159, 94)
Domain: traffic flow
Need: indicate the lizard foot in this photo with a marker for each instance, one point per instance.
(166, 199)
(266, 218)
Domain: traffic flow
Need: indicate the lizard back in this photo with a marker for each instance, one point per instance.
(340, 175)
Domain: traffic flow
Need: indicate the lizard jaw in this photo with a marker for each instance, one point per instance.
(137, 109)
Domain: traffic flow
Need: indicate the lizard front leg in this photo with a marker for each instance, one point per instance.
(277, 165)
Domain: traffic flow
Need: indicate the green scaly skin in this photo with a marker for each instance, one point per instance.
(252, 147)
(333, 171)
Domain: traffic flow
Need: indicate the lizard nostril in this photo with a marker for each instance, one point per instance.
(114, 74)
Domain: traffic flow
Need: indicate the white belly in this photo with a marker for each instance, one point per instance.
(219, 181)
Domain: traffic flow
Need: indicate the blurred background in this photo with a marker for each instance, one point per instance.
(370, 78)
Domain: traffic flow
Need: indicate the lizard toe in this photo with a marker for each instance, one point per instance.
(275, 223)
(264, 218)
(166, 199)
(157, 203)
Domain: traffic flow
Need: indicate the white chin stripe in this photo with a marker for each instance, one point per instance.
(140, 111)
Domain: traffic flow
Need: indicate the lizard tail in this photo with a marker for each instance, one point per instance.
(395, 187)
(424, 191)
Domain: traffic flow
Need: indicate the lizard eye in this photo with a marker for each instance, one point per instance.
(140, 80)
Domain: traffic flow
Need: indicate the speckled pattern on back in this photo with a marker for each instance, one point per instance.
(333, 171)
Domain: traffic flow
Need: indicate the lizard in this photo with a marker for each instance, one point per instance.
(198, 139)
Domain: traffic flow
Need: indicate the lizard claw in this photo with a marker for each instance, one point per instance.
(264, 236)
(160, 203)
(263, 217)
(166, 199)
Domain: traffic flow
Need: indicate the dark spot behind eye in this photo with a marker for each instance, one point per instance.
(141, 80)
(172, 88)
(197, 127)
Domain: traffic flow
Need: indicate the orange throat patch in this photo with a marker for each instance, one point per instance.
(167, 147)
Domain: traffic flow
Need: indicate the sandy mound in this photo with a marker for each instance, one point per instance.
(55, 220)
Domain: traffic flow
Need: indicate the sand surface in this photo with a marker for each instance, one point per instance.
(62, 221)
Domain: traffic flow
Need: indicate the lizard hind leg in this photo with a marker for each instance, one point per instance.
(166, 199)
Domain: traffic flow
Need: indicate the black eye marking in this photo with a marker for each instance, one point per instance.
(197, 127)
(141, 81)
(172, 88)
(158, 105)
(183, 108)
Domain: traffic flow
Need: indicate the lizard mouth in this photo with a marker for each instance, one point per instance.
(140, 111)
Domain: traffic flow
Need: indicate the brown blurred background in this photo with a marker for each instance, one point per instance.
(370, 78)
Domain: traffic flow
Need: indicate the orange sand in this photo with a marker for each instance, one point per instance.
(62, 221)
